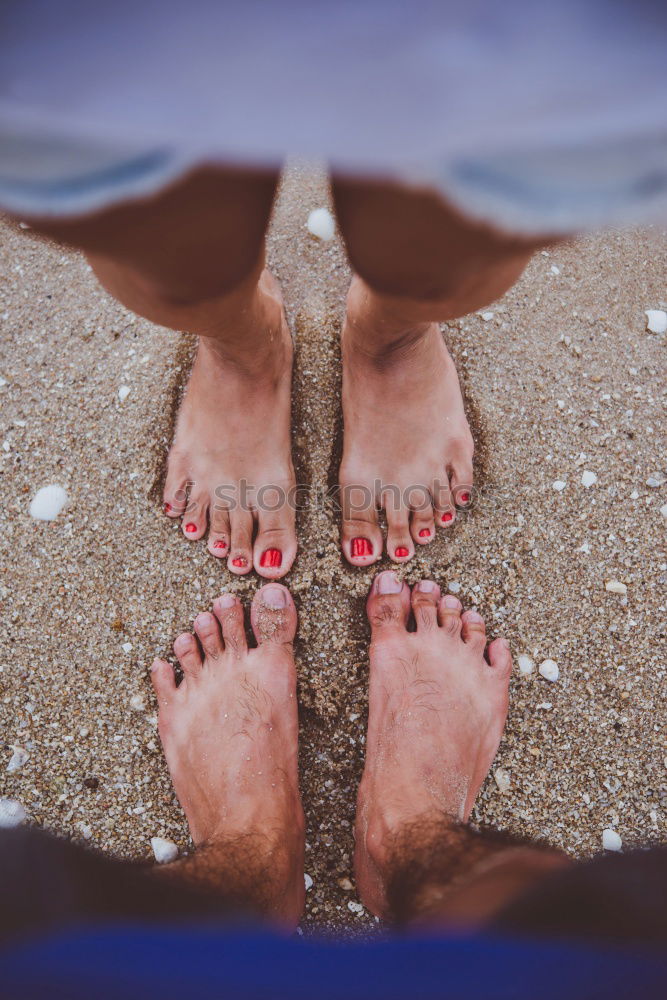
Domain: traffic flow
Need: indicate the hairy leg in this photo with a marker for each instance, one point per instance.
(229, 733)
(417, 263)
(438, 701)
(191, 259)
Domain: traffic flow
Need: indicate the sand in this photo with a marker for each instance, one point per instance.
(563, 369)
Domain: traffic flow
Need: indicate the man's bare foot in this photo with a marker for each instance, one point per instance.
(230, 466)
(229, 733)
(437, 708)
(406, 429)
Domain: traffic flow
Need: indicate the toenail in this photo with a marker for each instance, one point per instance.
(220, 543)
(388, 583)
(226, 600)
(451, 602)
(426, 586)
(464, 498)
(447, 517)
(205, 618)
(425, 532)
(183, 642)
(274, 597)
(240, 561)
(167, 508)
(475, 618)
(271, 557)
(361, 547)
(190, 527)
(401, 552)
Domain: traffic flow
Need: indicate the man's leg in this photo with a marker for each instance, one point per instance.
(417, 263)
(191, 259)
(437, 707)
(230, 732)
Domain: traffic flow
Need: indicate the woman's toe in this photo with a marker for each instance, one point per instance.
(219, 532)
(361, 538)
(240, 553)
(400, 546)
(195, 516)
(273, 615)
(422, 526)
(275, 546)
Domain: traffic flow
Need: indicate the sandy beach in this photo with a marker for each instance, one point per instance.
(561, 378)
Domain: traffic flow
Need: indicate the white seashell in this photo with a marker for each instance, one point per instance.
(656, 320)
(47, 503)
(611, 840)
(321, 224)
(12, 813)
(453, 586)
(164, 850)
(137, 703)
(655, 480)
(559, 485)
(526, 664)
(123, 393)
(355, 907)
(486, 316)
(549, 670)
(18, 759)
(307, 881)
(615, 587)
(502, 779)
(126, 647)
(554, 269)
(588, 478)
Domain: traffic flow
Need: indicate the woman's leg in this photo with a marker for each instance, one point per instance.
(407, 444)
(191, 259)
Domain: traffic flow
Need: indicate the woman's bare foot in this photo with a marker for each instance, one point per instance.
(437, 708)
(229, 733)
(230, 467)
(407, 446)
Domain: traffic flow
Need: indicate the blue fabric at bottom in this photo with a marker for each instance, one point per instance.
(193, 962)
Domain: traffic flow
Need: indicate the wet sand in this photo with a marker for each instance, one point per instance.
(563, 378)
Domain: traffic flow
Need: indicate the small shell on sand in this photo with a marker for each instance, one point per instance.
(502, 779)
(18, 759)
(611, 840)
(615, 587)
(47, 503)
(559, 485)
(12, 813)
(656, 320)
(321, 224)
(355, 907)
(588, 478)
(526, 664)
(453, 586)
(656, 480)
(307, 881)
(487, 316)
(549, 670)
(123, 393)
(165, 851)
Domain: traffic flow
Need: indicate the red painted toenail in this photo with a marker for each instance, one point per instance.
(190, 527)
(425, 532)
(272, 557)
(240, 561)
(220, 543)
(401, 552)
(167, 508)
(464, 498)
(447, 517)
(361, 547)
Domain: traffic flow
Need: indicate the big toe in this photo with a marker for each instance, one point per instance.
(273, 614)
(388, 604)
